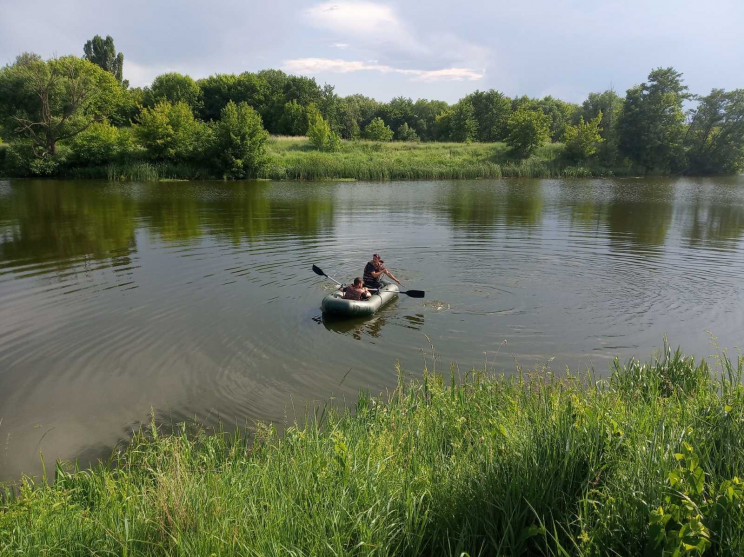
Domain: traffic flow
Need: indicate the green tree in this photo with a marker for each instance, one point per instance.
(319, 132)
(425, 118)
(102, 53)
(239, 143)
(491, 111)
(216, 92)
(174, 88)
(406, 133)
(101, 143)
(47, 102)
(170, 131)
(463, 126)
(376, 130)
(528, 129)
(355, 111)
(397, 112)
(610, 106)
(715, 137)
(294, 120)
(652, 123)
(560, 114)
(583, 139)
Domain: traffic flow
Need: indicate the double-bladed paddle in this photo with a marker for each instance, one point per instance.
(411, 293)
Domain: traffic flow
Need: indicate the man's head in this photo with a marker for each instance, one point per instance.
(376, 259)
(358, 281)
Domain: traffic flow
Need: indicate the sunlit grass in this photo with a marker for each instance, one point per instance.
(535, 463)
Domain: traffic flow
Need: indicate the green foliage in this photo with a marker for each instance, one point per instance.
(610, 106)
(174, 88)
(651, 127)
(103, 54)
(405, 133)
(559, 113)
(715, 138)
(46, 102)
(319, 132)
(530, 464)
(528, 129)
(491, 111)
(463, 126)
(170, 132)
(295, 118)
(583, 139)
(376, 130)
(100, 144)
(21, 159)
(239, 141)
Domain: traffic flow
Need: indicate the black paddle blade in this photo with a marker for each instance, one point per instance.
(414, 293)
(318, 271)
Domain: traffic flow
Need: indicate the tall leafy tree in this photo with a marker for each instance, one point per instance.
(715, 137)
(560, 114)
(528, 130)
(583, 139)
(610, 106)
(102, 53)
(491, 110)
(319, 132)
(49, 101)
(174, 88)
(425, 118)
(239, 141)
(216, 92)
(463, 125)
(170, 131)
(652, 124)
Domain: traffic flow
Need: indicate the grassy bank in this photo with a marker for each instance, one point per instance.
(293, 158)
(645, 461)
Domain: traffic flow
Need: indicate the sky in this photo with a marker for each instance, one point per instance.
(437, 49)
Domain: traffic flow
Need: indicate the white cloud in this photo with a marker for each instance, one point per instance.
(355, 18)
(311, 66)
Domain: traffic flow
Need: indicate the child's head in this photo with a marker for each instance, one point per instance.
(358, 281)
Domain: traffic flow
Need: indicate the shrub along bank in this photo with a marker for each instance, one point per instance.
(647, 461)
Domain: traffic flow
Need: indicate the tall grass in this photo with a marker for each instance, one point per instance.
(532, 464)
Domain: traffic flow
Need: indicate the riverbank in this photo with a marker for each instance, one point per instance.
(536, 463)
(294, 158)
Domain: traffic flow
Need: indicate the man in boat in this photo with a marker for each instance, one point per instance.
(373, 270)
(357, 291)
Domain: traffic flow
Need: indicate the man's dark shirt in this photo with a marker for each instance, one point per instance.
(369, 280)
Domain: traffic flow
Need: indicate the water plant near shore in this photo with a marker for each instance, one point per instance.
(648, 461)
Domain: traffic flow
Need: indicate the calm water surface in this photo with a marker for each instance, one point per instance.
(198, 299)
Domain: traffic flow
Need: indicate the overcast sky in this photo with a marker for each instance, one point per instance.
(435, 50)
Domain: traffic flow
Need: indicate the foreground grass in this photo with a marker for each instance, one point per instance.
(645, 462)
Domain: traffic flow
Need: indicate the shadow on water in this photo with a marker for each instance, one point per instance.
(359, 327)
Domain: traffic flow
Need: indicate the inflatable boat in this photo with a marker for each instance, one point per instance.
(335, 303)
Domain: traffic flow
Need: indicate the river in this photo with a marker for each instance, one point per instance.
(197, 299)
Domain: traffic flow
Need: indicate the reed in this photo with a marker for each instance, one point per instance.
(646, 461)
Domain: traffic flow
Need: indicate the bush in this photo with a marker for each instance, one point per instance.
(21, 160)
(239, 143)
(101, 143)
(170, 132)
(376, 130)
(320, 134)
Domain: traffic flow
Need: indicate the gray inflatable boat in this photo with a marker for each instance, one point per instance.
(335, 303)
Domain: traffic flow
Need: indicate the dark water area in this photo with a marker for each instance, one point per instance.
(197, 300)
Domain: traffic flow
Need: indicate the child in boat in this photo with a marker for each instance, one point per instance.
(357, 291)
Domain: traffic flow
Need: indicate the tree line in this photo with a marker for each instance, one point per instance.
(78, 111)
